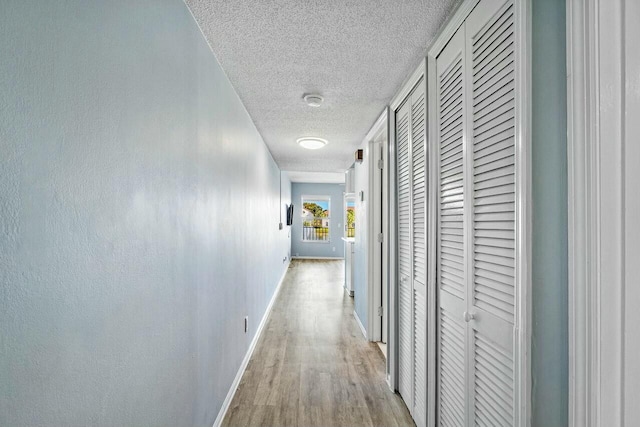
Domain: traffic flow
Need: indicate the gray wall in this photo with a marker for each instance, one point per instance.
(549, 161)
(139, 212)
(335, 248)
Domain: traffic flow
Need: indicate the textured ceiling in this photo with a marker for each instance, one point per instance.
(355, 53)
(317, 177)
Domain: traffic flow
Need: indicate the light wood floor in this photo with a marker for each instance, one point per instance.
(312, 366)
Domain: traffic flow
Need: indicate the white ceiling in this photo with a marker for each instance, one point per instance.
(355, 53)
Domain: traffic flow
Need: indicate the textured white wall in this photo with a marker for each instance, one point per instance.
(139, 212)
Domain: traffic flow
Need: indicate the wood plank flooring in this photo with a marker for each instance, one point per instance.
(312, 366)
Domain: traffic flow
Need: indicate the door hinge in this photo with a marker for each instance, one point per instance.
(380, 311)
(380, 238)
(380, 164)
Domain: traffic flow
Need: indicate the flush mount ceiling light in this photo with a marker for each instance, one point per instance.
(312, 143)
(313, 99)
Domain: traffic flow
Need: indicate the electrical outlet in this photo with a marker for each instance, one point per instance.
(334, 249)
(246, 324)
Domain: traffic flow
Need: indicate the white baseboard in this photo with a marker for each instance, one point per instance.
(317, 257)
(236, 382)
(364, 331)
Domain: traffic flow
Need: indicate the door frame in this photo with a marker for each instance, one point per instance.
(582, 151)
(598, 126)
(522, 335)
(374, 228)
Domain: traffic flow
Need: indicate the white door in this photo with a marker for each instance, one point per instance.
(412, 221)
(491, 157)
(419, 252)
(452, 340)
(476, 224)
(405, 311)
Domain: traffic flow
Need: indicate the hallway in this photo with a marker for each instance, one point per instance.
(312, 366)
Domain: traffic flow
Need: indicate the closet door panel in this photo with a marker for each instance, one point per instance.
(490, 44)
(405, 260)
(452, 331)
(419, 240)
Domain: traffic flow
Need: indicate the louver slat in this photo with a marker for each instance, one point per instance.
(493, 157)
(493, 165)
(493, 391)
(404, 212)
(451, 182)
(452, 361)
(405, 315)
(418, 154)
(452, 352)
(420, 362)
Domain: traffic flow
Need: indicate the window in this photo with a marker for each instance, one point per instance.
(351, 218)
(316, 218)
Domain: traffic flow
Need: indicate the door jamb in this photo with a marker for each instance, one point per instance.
(374, 247)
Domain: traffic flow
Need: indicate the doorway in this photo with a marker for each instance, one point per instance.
(378, 286)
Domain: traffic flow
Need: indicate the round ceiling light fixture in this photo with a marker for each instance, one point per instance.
(312, 143)
(313, 99)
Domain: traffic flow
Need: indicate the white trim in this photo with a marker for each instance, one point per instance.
(583, 175)
(378, 125)
(236, 381)
(359, 322)
(317, 257)
(451, 27)
(386, 257)
(408, 86)
(432, 230)
(392, 250)
(374, 247)
(522, 350)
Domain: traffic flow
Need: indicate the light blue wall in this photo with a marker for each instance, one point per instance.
(335, 248)
(285, 201)
(139, 212)
(549, 161)
(360, 273)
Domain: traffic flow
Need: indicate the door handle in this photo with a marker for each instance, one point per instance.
(468, 316)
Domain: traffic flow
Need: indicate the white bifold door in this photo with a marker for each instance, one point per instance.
(476, 222)
(412, 220)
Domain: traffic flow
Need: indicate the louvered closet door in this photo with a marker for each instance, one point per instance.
(452, 352)
(490, 53)
(477, 220)
(419, 227)
(405, 261)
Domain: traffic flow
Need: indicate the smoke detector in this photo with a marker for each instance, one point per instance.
(313, 100)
